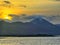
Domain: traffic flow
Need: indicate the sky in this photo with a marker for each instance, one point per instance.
(34, 6)
(29, 7)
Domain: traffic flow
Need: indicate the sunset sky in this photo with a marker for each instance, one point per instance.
(33, 6)
(44, 7)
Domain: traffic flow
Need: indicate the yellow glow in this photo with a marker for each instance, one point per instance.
(8, 18)
(32, 6)
(5, 14)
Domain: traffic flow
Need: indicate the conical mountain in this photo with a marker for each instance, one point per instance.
(36, 26)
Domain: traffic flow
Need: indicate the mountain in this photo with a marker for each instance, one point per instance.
(58, 25)
(35, 27)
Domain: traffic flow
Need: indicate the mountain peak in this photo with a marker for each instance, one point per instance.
(36, 26)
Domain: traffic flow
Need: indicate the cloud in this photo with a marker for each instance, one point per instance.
(23, 18)
(7, 2)
(53, 19)
(57, 0)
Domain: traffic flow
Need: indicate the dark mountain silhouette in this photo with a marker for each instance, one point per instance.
(58, 25)
(38, 26)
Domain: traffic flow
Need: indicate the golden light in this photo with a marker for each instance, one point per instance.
(6, 10)
(8, 18)
(5, 14)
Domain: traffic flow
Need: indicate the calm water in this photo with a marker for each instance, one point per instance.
(30, 41)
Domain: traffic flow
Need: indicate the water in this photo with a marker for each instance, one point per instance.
(30, 41)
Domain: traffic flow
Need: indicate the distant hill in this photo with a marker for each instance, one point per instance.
(35, 27)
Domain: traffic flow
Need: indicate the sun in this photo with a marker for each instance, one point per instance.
(7, 18)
